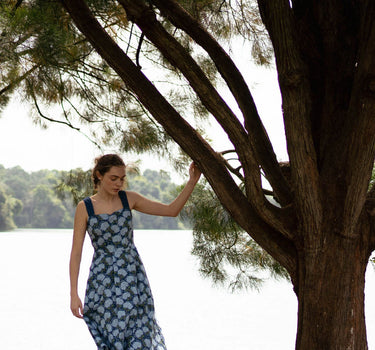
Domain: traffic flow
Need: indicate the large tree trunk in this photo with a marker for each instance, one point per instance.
(330, 292)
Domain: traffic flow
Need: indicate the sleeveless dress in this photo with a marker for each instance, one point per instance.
(118, 307)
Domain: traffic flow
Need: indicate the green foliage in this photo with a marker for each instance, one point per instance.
(47, 211)
(47, 60)
(50, 63)
(227, 20)
(9, 207)
(75, 185)
(33, 201)
(227, 255)
(372, 180)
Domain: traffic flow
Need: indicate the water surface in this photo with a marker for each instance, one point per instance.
(34, 298)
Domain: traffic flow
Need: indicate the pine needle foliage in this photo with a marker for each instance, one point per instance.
(227, 255)
(230, 19)
(47, 62)
(49, 65)
(75, 185)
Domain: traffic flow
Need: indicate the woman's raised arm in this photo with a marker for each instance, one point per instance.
(147, 206)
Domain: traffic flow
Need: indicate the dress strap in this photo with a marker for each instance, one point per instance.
(124, 199)
(89, 206)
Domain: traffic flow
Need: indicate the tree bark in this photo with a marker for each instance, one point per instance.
(331, 296)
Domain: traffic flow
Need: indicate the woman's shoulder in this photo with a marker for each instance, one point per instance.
(131, 194)
(81, 204)
(132, 198)
(81, 210)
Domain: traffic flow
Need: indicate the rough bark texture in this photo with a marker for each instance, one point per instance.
(331, 295)
(323, 234)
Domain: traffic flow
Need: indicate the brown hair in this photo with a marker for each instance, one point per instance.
(103, 164)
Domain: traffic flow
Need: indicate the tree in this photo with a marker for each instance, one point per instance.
(322, 230)
(46, 210)
(8, 207)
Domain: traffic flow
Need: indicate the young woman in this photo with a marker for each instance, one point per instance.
(119, 308)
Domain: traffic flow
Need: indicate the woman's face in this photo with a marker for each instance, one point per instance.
(113, 180)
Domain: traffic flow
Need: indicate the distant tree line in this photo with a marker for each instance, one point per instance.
(40, 199)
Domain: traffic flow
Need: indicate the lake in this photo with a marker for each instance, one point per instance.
(34, 297)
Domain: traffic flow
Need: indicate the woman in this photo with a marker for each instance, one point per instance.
(119, 308)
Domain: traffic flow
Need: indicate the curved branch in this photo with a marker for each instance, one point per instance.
(237, 85)
(139, 50)
(235, 171)
(67, 123)
(212, 164)
(176, 54)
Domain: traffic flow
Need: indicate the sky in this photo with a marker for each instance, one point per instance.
(59, 147)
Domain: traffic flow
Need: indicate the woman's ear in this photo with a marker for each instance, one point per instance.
(98, 175)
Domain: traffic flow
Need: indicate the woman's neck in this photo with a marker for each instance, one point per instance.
(105, 196)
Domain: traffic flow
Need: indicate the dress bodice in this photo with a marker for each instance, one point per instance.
(109, 232)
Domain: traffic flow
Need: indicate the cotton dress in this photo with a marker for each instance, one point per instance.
(119, 307)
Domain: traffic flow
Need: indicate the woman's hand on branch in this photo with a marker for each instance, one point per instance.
(194, 173)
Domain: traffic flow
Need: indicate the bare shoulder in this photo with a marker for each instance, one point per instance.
(81, 212)
(133, 197)
(80, 225)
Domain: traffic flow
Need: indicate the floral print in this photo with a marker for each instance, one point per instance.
(119, 307)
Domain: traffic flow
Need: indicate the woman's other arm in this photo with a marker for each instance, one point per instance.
(80, 224)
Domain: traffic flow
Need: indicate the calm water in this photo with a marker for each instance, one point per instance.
(34, 298)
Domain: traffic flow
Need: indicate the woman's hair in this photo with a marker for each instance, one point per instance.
(103, 164)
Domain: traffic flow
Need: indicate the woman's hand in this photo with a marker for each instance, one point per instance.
(194, 173)
(76, 306)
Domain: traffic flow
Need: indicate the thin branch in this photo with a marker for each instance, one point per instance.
(51, 119)
(139, 50)
(130, 38)
(16, 81)
(67, 123)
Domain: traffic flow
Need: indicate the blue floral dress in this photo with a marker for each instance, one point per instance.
(119, 307)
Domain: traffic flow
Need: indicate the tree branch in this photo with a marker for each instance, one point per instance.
(16, 81)
(237, 85)
(16, 6)
(359, 142)
(67, 123)
(278, 18)
(191, 142)
(176, 54)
